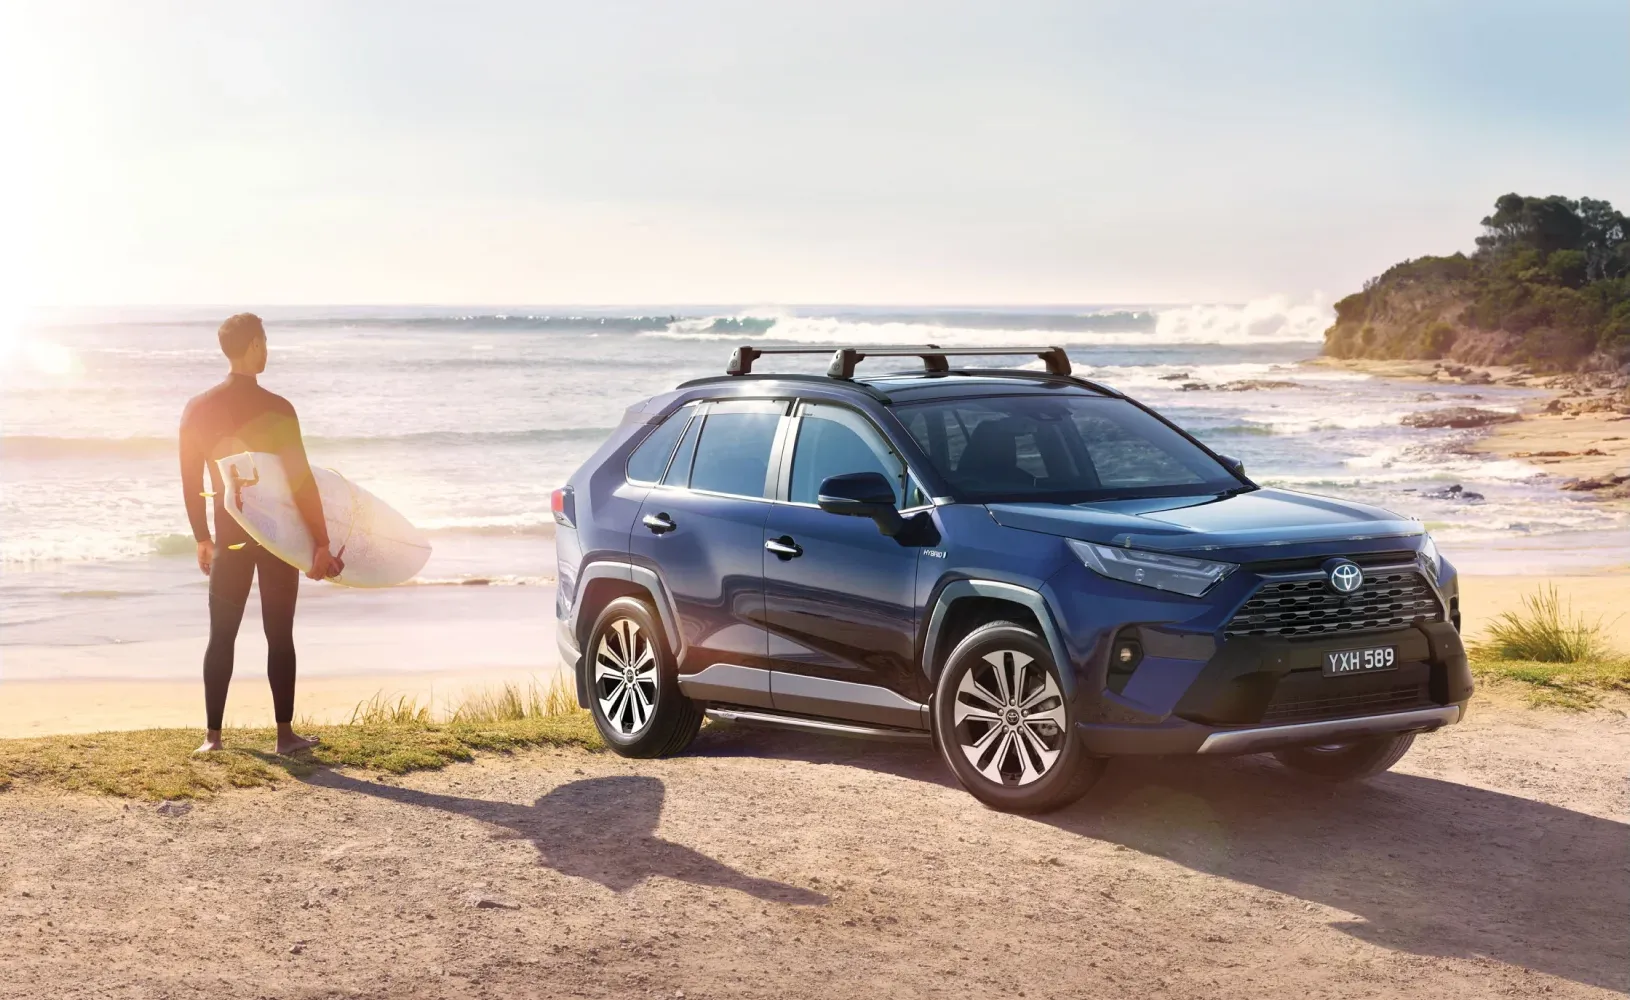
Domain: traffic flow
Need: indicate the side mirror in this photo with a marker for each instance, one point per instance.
(862, 494)
(1233, 465)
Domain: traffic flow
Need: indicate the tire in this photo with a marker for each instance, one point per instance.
(633, 684)
(1347, 761)
(1035, 765)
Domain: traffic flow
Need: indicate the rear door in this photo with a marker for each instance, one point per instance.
(839, 595)
(702, 529)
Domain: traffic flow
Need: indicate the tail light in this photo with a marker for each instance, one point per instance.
(560, 502)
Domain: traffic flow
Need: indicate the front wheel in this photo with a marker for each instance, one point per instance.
(1347, 761)
(634, 693)
(1002, 723)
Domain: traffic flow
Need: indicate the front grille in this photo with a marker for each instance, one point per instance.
(1394, 558)
(1306, 706)
(1292, 609)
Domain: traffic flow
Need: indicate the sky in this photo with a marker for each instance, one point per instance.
(671, 153)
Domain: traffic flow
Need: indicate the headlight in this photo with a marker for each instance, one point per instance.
(1429, 556)
(1179, 574)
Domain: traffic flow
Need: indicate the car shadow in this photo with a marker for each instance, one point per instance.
(600, 829)
(1422, 865)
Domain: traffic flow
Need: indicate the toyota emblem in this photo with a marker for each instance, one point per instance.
(1344, 575)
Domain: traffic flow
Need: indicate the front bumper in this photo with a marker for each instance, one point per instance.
(1246, 695)
(1179, 736)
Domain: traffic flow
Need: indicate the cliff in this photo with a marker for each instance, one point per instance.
(1548, 287)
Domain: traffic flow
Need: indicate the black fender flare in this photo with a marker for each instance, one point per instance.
(999, 590)
(642, 577)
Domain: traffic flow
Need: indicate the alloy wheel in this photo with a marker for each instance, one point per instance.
(625, 677)
(1009, 717)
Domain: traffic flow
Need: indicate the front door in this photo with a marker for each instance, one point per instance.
(702, 530)
(839, 596)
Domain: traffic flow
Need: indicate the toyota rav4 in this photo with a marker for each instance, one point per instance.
(1029, 568)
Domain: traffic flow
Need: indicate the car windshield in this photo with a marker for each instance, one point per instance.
(1060, 449)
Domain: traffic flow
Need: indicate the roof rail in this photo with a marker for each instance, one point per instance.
(844, 359)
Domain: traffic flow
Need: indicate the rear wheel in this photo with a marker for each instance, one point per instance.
(1347, 761)
(634, 693)
(1002, 723)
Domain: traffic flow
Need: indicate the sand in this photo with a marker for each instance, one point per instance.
(91, 703)
(1491, 862)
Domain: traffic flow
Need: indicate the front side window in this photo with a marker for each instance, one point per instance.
(833, 441)
(1060, 449)
(733, 452)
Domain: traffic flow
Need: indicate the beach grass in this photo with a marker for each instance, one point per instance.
(1544, 630)
(1557, 658)
(1570, 686)
(383, 735)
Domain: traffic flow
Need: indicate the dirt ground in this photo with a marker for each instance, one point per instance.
(1493, 862)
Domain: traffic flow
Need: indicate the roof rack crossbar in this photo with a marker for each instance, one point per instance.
(844, 359)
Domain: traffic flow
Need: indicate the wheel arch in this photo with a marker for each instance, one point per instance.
(964, 605)
(602, 582)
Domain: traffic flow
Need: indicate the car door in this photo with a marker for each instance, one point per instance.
(702, 530)
(839, 596)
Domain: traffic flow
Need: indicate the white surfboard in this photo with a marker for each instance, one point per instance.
(379, 547)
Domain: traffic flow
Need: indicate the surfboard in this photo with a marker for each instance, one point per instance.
(380, 547)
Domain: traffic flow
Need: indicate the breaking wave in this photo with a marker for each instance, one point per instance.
(23, 446)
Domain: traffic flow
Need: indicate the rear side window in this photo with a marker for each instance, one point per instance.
(733, 454)
(650, 459)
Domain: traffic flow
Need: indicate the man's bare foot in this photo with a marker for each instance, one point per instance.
(291, 742)
(212, 742)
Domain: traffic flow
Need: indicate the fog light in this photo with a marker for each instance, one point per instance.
(1124, 657)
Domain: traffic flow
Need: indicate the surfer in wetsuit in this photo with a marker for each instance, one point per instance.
(238, 415)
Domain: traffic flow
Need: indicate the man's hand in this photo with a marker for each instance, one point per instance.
(206, 555)
(323, 564)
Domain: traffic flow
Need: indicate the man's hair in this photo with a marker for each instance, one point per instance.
(238, 332)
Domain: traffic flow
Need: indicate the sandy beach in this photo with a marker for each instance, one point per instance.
(434, 661)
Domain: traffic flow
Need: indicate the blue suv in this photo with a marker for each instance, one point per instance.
(1029, 568)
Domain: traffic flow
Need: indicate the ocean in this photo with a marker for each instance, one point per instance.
(466, 418)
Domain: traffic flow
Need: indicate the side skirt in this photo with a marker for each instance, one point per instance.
(769, 718)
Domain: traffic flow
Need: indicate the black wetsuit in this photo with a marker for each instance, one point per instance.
(238, 415)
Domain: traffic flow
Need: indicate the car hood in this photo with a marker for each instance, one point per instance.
(1199, 524)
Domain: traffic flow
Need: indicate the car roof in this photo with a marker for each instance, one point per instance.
(918, 386)
(901, 387)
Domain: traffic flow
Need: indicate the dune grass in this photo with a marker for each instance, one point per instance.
(1545, 630)
(1562, 660)
(383, 735)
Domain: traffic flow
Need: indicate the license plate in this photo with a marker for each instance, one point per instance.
(1360, 661)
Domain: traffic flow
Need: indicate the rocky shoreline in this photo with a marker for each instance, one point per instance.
(1580, 433)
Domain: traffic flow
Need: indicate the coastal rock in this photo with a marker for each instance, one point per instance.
(1595, 484)
(1455, 492)
(1194, 387)
(1175, 377)
(1247, 384)
(1458, 417)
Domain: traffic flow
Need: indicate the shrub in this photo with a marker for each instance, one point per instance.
(1544, 631)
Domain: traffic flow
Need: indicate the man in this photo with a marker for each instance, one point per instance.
(238, 415)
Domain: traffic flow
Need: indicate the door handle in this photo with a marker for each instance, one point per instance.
(660, 524)
(784, 548)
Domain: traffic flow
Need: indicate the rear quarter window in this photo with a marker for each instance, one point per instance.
(650, 459)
